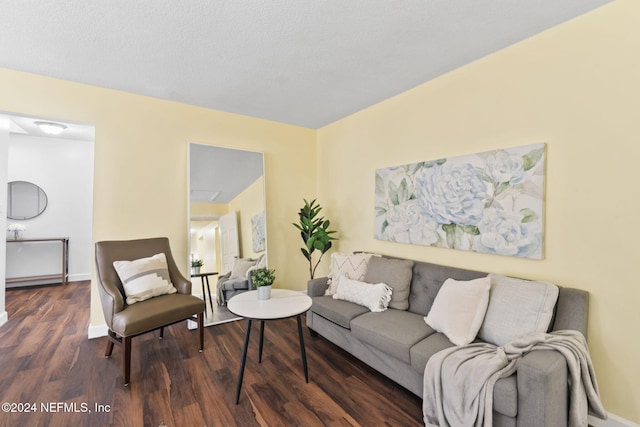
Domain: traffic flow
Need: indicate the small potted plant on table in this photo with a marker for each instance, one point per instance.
(262, 279)
(196, 264)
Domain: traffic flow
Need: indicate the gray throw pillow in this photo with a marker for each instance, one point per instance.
(396, 273)
(517, 307)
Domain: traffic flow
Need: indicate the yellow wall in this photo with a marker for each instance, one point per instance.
(209, 209)
(575, 87)
(248, 204)
(140, 187)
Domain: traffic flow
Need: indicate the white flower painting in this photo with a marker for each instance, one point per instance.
(258, 232)
(487, 202)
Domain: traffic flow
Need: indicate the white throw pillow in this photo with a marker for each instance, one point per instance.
(240, 268)
(144, 278)
(459, 309)
(517, 308)
(352, 266)
(375, 297)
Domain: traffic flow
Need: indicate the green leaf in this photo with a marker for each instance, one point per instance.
(532, 158)
(403, 191)
(310, 243)
(413, 168)
(502, 187)
(380, 210)
(393, 194)
(471, 229)
(528, 215)
(379, 186)
(305, 253)
(450, 231)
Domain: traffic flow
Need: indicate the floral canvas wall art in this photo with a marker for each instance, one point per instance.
(258, 232)
(488, 202)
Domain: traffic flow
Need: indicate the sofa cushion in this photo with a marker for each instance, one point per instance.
(337, 311)
(393, 331)
(375, 297)
(517, 307)
(424, 349)
(459, 309)
(164, 309)
(353, 266)
(426, 282)
(394, 272)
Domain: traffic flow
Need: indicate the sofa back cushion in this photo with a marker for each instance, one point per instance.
(427, 280)
(395, 273)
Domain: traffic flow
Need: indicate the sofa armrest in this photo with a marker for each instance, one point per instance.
(317, 287)
(542, 389)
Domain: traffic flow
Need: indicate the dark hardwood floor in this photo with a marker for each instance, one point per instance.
(47, 362)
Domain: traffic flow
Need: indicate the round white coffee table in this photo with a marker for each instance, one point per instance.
(283, 304)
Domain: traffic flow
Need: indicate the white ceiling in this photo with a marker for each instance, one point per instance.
(307, 63)
(20, 125)
(218, 175)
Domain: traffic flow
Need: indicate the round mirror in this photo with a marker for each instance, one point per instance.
(25, 200)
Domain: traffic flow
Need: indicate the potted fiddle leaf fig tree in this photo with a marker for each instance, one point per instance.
(315, 233)
(262, 279)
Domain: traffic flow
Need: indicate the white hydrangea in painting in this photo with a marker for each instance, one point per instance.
(506, 233)
(463, 205)
(488, 202)
(408, 225)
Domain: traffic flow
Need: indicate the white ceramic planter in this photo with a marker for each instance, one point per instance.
(264, 292)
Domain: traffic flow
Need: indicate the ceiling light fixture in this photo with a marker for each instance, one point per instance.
(50, 127)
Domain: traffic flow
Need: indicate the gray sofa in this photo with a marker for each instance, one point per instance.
(398, 344)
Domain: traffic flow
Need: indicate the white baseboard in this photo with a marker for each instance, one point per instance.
(97, 331)
(4, 317)
(81, 277)
(612, 421)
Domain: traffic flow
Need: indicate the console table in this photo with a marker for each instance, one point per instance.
(63, 276)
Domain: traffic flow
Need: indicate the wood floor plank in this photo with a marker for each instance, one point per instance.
(46, 358)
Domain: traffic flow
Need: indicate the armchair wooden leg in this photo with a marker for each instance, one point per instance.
(201, 330)
(126, 359)
(109, 350)
(161, 333)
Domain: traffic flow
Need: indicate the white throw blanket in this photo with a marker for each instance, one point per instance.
(459, 381)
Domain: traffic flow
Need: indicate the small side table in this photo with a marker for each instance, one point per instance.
(204, 278)
(282, 305)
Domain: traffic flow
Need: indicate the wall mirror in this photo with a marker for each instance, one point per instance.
(226, 206)
(25, 200)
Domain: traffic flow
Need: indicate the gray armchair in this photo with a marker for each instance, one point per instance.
(227, 286)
